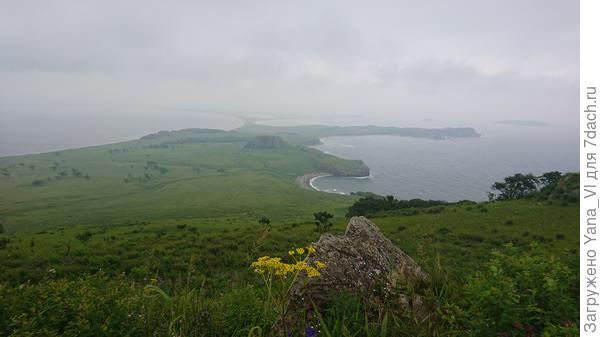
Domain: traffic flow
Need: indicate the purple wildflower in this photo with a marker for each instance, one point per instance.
(310, 331)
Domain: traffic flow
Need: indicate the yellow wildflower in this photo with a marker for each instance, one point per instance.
(300, 265)
(312, 272)
(273, 266)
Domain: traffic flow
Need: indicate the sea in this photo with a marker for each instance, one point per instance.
(407, 168)
(451, 169)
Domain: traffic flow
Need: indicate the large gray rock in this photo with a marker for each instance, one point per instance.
(362, 262)
(358, 262)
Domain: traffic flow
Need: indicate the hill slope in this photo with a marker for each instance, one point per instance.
(191, 174)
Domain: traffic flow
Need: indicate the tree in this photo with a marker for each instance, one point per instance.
(37, 183)
(322, 220)
(264, 221)
(372, 205)
(549, 178)
(1, 228)
(517, 186)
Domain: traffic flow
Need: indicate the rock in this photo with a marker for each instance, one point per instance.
(362, 262)
(358, 261)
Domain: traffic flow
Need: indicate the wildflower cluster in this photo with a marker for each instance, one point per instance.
(276, 276)
(274, 265)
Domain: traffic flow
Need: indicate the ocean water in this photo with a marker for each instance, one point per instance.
(454, 169)
(28, 132)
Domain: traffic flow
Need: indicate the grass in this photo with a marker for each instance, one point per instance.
(205, 265)
(222, 248)
(182, 182)
(155, 237)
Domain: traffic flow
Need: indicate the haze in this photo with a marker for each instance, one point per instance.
(76, 73)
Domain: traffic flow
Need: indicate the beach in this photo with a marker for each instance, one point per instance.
(305, 181)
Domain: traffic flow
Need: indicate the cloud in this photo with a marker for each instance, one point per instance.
(519, 59)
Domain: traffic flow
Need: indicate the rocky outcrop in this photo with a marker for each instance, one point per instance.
(266, 142)
(362, 262)
(358, 261)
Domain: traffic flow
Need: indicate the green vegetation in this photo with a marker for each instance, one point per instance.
(323, 220)
(370, 205)
(165, 178)
(550, 185)
(266, 142)
(320, 131)
(64, 283)
(156, 237)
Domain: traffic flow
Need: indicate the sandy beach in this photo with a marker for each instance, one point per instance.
(305, 180)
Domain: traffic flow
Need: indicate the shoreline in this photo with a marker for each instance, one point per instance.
(306, 181)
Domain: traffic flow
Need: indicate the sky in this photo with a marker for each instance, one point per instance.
(97, 71)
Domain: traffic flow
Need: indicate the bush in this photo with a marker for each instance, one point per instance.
(241, 309)
(369, 206)
(91, 306)
(521, 294)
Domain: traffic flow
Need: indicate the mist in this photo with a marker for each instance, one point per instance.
(78, 73)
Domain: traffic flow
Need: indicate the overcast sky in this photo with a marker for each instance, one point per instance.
(70, 64)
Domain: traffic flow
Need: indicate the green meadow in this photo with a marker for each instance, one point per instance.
(172, 178)
(154, 237)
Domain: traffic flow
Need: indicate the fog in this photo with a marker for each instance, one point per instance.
(75, 73)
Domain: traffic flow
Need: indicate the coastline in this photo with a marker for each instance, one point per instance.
(306, 181)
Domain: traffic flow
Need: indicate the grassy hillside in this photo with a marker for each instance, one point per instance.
(100, 273)
(462, 235)
(155, 237)
(180, 176)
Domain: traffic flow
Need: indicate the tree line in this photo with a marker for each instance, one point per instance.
(517, 186)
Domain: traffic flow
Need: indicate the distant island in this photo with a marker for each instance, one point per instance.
(523, 123)
(319, 131)
(305, 135)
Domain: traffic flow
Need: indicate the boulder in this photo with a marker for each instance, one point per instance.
(362, 262)
(357, 262)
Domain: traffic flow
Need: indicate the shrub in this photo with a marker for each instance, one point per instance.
(369, 205)
(323, 220)
(521, 294)
(241, 309)
(92, 306)
(443, 230)
(4, 242)
(471, 237)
